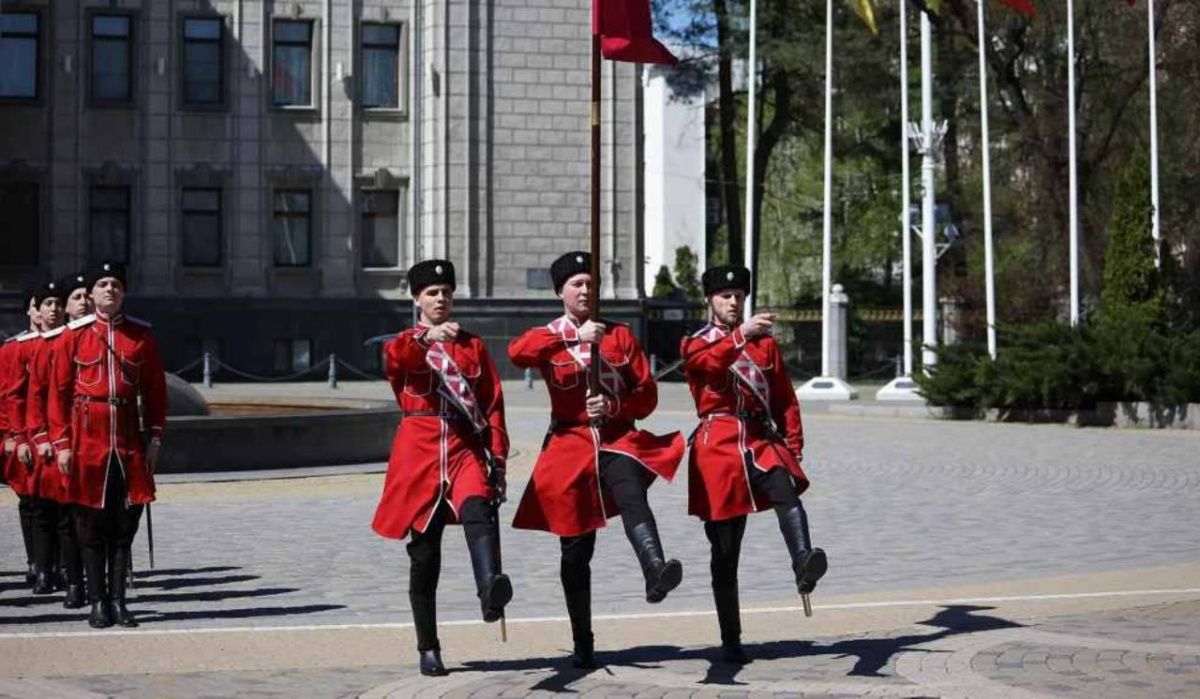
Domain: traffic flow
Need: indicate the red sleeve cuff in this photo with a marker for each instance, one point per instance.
(739, 340)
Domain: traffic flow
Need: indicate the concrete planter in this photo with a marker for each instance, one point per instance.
(194, 444)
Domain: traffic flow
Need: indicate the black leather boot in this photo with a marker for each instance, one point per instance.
(584, 654)
(431, 663)
(661, 575)
(729, 618)
(97, 590)
(493, 587)
(579, 610)
(75, 597)
(809, 564)
(118, 572)
(43, 583)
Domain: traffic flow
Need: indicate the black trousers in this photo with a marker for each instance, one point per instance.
(625, 480)
(45, 534)
(25, 513)
(105, 535)
(725, 539)
(425, 564)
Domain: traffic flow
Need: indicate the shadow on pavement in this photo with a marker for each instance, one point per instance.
(177, 583)
(150, 616)
(871, 655)
(159, 572)
(135, 598)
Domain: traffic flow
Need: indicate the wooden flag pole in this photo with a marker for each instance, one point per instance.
(594, 369)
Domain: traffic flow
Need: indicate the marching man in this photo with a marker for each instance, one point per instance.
(15, 356)
(108, 408)
(448, 458)
(594, 463)
(745, 455)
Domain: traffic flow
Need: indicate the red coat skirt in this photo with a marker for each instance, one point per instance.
(718, 466)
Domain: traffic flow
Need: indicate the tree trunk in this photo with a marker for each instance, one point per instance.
(729, 142)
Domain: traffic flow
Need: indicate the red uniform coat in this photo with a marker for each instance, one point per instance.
(735, 431)
(47, 480)
(18, 356)
(436, 455)
(100, 366)
(564, 494)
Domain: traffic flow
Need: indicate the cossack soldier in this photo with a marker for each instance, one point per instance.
(594, 462)
(745, 454)
(15, 356)
(107, 409)
(448, 458)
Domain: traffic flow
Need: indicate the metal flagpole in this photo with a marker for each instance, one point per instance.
(594, 369)
(751, 122)
(827, 216)
(1074, 232)
(989, 268)
(905, 186)
(928, 234)
(1155, 232)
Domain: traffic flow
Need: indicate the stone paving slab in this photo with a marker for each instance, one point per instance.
(959, 651)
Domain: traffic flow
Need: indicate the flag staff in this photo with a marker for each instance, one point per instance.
(748, 251)
(988, 262)
(594, 368)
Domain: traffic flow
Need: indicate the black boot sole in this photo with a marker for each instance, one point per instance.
(668, 579)
(499, 594)
(810, 570)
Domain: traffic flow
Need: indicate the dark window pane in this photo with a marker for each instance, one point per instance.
(108, 25)
(292, 84)
(109, 223)
(202, 200)
(293, 32)
(111, 59)
(19, 55)
(202, 61)
(19, 224)
(381, 65)
(201, 227)
(202, 29)
(381, 35)
(291, 229)
(19, 23)
(381, 229)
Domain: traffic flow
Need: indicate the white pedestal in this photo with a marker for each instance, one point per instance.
(901, 388)
(826, 388)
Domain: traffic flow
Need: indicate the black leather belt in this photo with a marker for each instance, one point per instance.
(110, 401)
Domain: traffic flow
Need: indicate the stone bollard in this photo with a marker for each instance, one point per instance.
(333, 371)
(839, 329)
(208, 374)
(529, 379)
(653, 364)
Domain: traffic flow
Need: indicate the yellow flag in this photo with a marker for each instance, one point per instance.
(866, 13)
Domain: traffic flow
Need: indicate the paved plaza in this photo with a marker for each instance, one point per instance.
(967, 560)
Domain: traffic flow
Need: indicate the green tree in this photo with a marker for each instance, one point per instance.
(664, 288)
(686, 274)
(1131, 281)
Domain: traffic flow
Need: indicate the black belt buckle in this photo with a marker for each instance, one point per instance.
(116, 402)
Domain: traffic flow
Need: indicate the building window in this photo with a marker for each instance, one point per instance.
(20, 223)
(381, 232)
(381, 66)
(291, 64)
(109, 223)
(293, 355)
(203, 63)
(112, 59)
(292, 227)
(18, 55)
(201, 227)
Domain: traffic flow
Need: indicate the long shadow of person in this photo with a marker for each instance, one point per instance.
(871, 655)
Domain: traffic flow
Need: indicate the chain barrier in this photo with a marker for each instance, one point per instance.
(359, 372)
(189, 366)
(271, 379)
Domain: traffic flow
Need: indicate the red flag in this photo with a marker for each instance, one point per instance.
(1025, 7)
(626, 34)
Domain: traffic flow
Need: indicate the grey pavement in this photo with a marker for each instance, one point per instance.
(900, 504)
